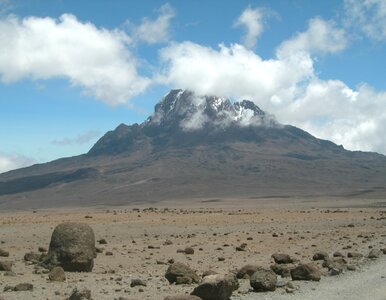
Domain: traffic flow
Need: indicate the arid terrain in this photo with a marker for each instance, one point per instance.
(141, 241)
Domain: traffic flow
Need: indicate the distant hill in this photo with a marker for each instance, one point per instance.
(198, 147)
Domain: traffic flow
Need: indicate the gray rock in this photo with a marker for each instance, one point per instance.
(283, 270)
(57, 274)
(281, 258)
(137, 282)
(320, 255)
(182, 297)
(247, 271)
(263, 280)
(72, 247)
(216, 287)
(354, 255)
(180, 273)
(6, 265)
(306, 272)
(22, 287)
(374, 253)
(33, 257)
(84, 294)
(4, 253)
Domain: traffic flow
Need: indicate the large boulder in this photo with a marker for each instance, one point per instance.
(306, 272)
(180, 273)
(72, 247)
(263, 280)
(216, 287)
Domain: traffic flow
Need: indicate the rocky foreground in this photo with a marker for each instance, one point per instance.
(200, 253)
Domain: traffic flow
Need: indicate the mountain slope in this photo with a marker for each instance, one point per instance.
(198, 147)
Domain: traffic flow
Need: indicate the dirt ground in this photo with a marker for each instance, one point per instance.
(136, 237)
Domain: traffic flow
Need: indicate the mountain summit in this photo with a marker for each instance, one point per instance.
(194, 148)
(192, 112)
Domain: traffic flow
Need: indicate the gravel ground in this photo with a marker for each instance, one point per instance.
(368, 283)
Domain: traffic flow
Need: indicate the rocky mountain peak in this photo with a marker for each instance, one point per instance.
(190, 111)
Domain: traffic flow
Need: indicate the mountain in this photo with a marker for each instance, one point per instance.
(198, 147)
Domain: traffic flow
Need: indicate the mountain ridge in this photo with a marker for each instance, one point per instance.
(198, 147)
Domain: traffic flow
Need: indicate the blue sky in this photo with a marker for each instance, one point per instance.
(72, 70)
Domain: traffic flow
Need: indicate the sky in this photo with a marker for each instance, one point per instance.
(72, 70)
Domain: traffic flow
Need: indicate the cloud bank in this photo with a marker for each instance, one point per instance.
(14, 161)
(95, 59)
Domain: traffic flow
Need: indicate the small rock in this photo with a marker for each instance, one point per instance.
(84, 294)
(374, 253)
(216, 287)
(22, 287)
(263, 280)
(4, 253)
(182, 297)
(180, 273)
(281, 258)
(354, 255)
(247, 271)
(6, 265)
(57, 274)
(138, 282)
(306, 272)
(42, 249)
(189, 250)
(321, 255)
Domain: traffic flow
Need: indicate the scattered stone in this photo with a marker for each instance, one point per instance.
(42, 249)
(354, 255)
(32, 257)
(209, 272)
(306, 272)
(4, 253)
(374, 253)
(335, 266)
(283, 270)
(72, 247)
(189, 250)
(216, 287)
(57, 274)
(247, 271)
(337, 254)
(321, 255)
(6, 265)
(351, 267)
(263, 280)
(182, 297)
(180, 273)
(102, 242)
(22, 287)
(84, 294)
(281, 258)
(138, 282)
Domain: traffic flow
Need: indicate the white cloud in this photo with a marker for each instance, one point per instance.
(252, 20)
(13, 161)
(233, 71)
(369, 16)
(286, 85)
(321, 37)
(80, 139)
(155, 31)
(95, 59)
